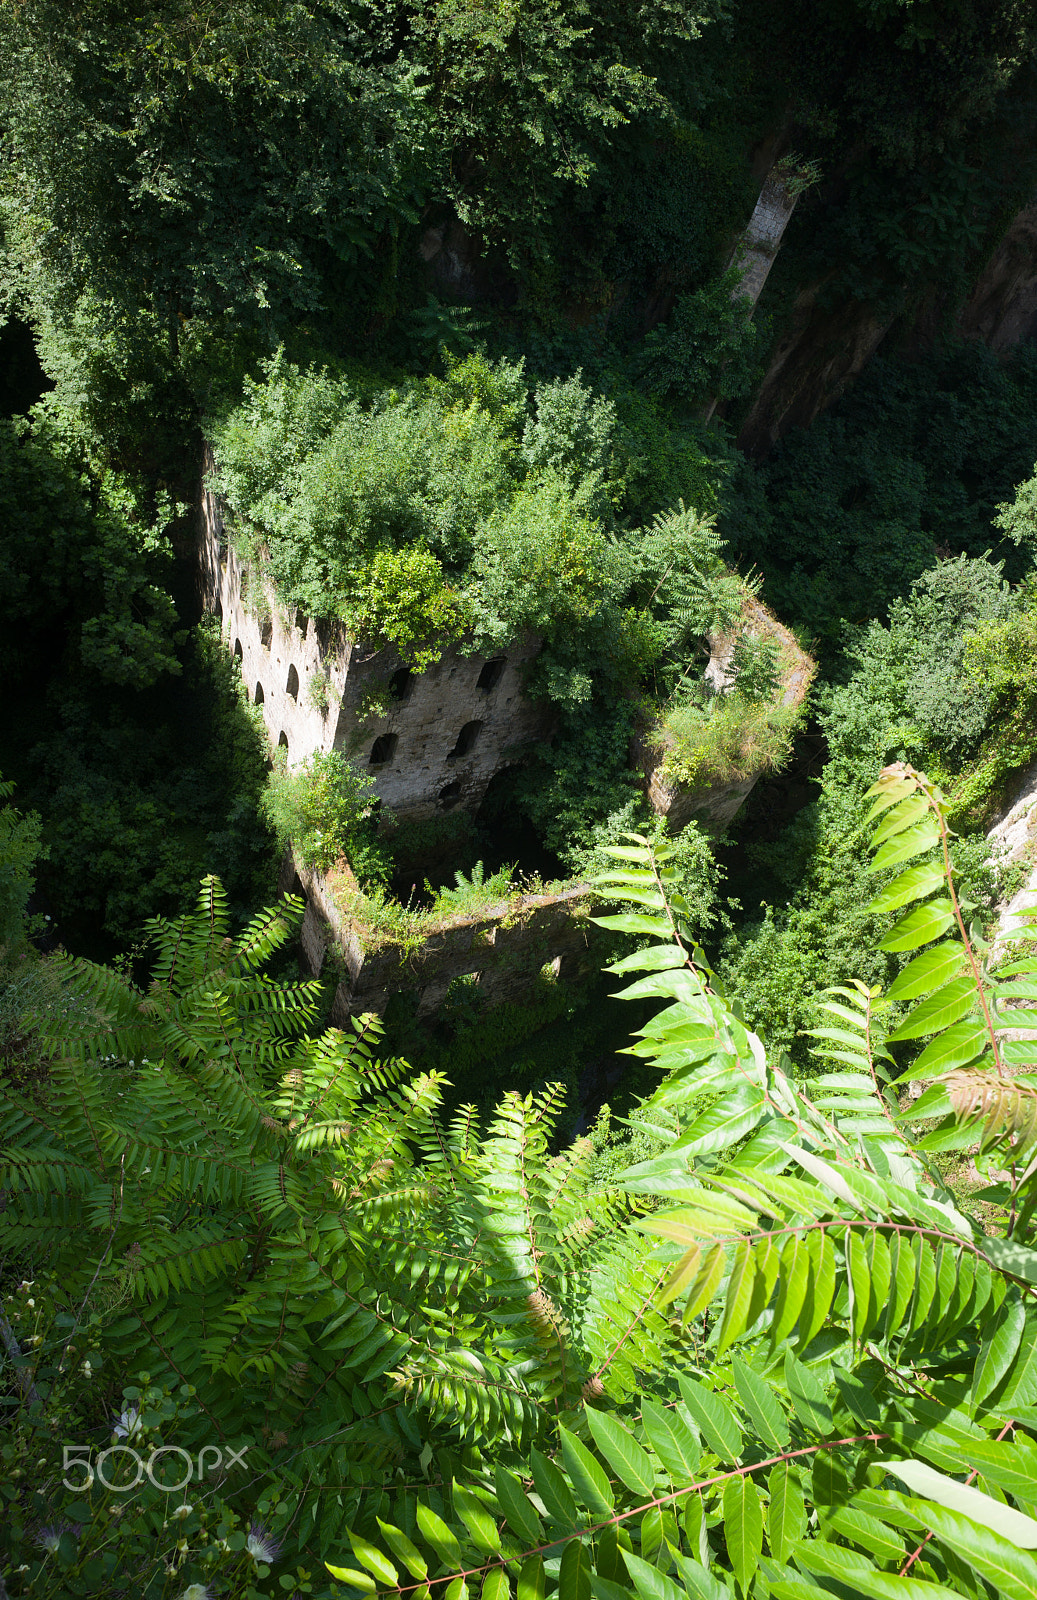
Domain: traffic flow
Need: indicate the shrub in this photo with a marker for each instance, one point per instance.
(405, 601)
(708, 346)
(474, 891)
(731, 736)
(20, 849)
(326, 809)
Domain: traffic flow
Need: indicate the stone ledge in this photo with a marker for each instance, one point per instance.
(504, 946)
(716, 805)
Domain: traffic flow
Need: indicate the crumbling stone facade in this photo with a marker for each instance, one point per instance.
(502, 949)
(431, 740)
(716, 805)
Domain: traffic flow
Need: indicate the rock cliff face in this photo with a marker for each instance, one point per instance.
(1002, 310)
(813, 362)
(716, 805)
(823, 349)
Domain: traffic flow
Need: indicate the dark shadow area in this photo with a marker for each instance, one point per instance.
(498, 835)
(22, 379)
(506, 833)
(771, 806)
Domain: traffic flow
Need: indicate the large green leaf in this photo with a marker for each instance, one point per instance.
(743, 1527)
(574, 1572)
(439, 1536)
(553, 1491)
(903, 816)
(477, 1520)
(403, 1549)
(793, 1283)
(714, 1418)
(920, 926)
(495, 1585)
(372, 1558)
(759, 1401)
(1000, 1343)
(1012, 1572)
(1019, 1260)
(959, 1045)
(864, 1529)
(972, 1503)
(807, 1395)
(786, 1513)
(672, 1441)
(927, 971)
(739, 1296)
(857, 1574)
(532, 1583)
(621, 1450)
(914, 884)
(588, 1478)
(907, 844)
(820, 1288)
(947, 1005)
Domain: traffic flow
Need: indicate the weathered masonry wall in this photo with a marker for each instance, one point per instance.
(716, 805)
(503, 948)
(431, 740)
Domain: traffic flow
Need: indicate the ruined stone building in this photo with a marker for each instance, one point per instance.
(431, 740)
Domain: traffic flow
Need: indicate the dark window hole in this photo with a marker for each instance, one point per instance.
(302, 622)
(450, 795)
(465, 740)
(282, 740)
(293, 683)
(260, 696)
(491, 674)
(383, 749)
(266, 634)
(238, 652)
(400, 684)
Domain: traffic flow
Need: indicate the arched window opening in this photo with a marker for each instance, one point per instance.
(260, 696)
(465, 740)
(293, 683)
(282, 741)
(400, 684)
(383, 750)
(219, 608)
(450, 795)
(238, 652)
(302, 622)
(491, 674)
(266, 633)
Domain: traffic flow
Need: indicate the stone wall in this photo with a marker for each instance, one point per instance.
(431, 740)
(716, 805)
(504, 948)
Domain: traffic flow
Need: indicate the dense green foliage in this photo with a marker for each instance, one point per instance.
(915, 461)
(713, 1377)
(325, 808)
(19, 852)
(908, 696)
(447, 285)
(125, 730)
(422, 512)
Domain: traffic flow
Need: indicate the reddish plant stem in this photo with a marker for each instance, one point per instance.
(637, 1511)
